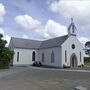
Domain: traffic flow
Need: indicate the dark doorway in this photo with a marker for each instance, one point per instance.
(73, 60)
(33, 56)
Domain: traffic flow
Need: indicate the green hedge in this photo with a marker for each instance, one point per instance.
(6, 55)
(86, 59)
(4, 65)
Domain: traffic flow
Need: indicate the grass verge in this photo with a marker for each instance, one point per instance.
(87, 63)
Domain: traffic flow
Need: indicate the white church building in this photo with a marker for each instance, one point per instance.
(57, 52)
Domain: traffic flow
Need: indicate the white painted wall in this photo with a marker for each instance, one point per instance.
(47, 55)
(67, 45)
(25, 56)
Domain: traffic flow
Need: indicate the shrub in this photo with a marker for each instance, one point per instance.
(86, 59)
(82, 65)
(65, 66)
(5, 54)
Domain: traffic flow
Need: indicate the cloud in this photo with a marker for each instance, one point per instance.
(41, 31)
(2, 12)
(2, 31)
(83, 40)
(27, 22)
(78, 9)
(52, 29)
(25, 36)
(5, 37)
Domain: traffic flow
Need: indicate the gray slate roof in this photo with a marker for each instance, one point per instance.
(34, 44)
(53, 42)
(24, 43)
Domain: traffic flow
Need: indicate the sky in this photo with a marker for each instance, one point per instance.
(44, 19)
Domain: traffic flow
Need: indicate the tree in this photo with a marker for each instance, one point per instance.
(5, 54)
(87, 46)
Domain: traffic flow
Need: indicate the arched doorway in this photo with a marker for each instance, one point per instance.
(73, 60)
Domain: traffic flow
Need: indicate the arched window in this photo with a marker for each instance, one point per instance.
(80, 56)
(43, 57)
(52, 57)
(65, 56)
(33, 56)
(17, 56)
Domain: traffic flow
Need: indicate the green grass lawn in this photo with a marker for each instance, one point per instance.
(87, 63)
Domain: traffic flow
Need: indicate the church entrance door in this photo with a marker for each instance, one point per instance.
(73, 60)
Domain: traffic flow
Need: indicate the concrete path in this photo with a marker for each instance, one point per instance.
(84, 69)
(12, 70)
(33, 78)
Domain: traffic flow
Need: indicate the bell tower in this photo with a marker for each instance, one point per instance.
(72, 29)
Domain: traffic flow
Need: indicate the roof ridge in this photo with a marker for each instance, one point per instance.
(38, 40)
(25, 39)
(53, 42)
(56, 37)
(29, 43)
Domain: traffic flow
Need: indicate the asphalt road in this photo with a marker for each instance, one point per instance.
(44, 79)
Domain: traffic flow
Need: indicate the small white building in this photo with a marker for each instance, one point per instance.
(57, 52)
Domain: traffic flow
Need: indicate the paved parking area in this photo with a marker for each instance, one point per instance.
(12, 70)
(33, 78)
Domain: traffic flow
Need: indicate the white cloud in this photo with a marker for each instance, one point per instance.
(55, 29)
(2, 12)
(5, 37)
(52, 29)
(27, 22)
(25, 36)
(78, 9)
(83, 40)
(42, 31)
(2, 31)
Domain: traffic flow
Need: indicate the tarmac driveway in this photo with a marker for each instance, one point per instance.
(28, 78)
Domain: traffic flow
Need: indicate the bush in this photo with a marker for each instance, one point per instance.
(82, 65)
(65, 66)
(6, 54)
(4, 65)
(86, 59)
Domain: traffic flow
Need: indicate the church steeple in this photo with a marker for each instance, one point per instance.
(72, 28)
